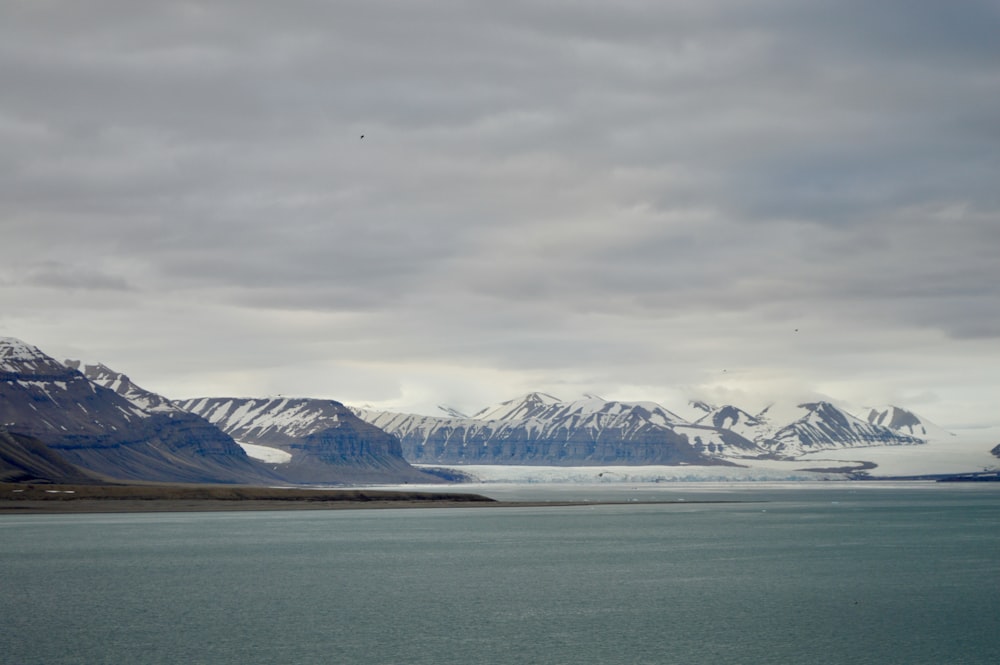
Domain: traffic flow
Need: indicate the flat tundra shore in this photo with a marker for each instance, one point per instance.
(44, 498)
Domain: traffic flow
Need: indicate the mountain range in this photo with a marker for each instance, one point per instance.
(70, 421)
(538, 428)
(70, 418)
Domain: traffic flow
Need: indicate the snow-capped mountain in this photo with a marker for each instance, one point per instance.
(97, 419)
(823, 426)
(36, 387)
(97, 429)
(526, 406)
(104, 422)
(538, 428)
(103, 375)
(735, 419)
(324, 439)
(22, 359)
(790, 429)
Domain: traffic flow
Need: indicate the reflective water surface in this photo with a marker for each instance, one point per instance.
(838, 574)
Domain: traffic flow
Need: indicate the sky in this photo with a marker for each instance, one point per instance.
(732, 201)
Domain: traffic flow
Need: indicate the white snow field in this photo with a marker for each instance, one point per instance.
(266, 453)
(968, 451)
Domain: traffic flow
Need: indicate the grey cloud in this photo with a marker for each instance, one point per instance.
(568, 187)
(54, 275)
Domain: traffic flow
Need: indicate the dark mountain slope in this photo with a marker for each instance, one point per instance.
(98, 430)
(24, 459)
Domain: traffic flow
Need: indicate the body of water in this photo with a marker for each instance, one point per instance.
(839, 574)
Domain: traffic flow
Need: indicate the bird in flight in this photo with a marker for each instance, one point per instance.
(362, 136)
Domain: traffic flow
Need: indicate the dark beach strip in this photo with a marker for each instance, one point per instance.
(43, 498)
(25, 498)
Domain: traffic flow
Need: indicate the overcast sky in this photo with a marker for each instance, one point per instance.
(737, 201)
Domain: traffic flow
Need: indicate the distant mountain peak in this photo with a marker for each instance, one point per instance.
(18, 356)
(905, 421)
(826, 409)
(120, 383)
(782, 413)
(12, 346)
(728, 416)
(823, 425)
(540, 398)
(892, 416)
(701, 406)
(450, 411)
(524, 406)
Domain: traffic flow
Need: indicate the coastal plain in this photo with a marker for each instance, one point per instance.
(46, 498)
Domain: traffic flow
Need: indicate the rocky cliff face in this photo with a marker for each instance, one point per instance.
(101, 431)
(540, 429)
(324, 438)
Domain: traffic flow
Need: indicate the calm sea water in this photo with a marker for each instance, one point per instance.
(842, 575)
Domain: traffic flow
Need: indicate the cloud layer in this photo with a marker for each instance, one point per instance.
(640, 199)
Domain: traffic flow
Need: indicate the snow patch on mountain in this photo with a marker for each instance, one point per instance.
(266, 453)
(258, 418)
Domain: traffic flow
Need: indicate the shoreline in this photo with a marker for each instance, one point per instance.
(81, 506)
(36, 499)
(33, 498)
